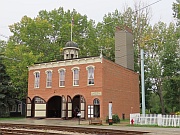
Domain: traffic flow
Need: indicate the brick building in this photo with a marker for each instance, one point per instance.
(85, 85)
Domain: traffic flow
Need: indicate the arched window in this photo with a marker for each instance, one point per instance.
(61, 77)
(49, 79)
(90, 70)
(38, 100)
(75, 76)
(36, 79)
(96, 101)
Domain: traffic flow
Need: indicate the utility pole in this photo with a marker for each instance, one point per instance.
(142, 82)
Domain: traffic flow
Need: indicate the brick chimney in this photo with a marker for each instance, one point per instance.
(124, 50)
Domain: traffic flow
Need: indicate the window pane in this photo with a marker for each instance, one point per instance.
(76, 77)
(37, 78)
(90, 75)
(62, 78)
(38, 100)
(96, 102)
(49, 79)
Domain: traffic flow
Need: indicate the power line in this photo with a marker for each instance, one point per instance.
(148, 5)
(139, 9)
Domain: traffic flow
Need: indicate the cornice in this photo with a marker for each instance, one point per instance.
(66, 63)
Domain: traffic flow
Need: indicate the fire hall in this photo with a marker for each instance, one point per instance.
(74, 85)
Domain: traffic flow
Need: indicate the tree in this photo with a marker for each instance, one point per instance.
(18, 57)
(162, 62)
(50, 31)
(6, 88)
(171, 65)
(176, 9)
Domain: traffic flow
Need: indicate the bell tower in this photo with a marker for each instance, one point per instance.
(71, 50)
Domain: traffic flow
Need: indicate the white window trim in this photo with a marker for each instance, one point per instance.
(73, 74)
(20, 107)
(35, 79)
(64, 75)
(90, 66)
(88, 74)
(46, 78)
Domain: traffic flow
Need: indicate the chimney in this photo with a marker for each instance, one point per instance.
(124, 51)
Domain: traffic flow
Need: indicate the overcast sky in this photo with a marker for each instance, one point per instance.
(11, 11)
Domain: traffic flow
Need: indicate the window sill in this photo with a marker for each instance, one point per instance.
(90, 85)
(61, 86)
(75, 85)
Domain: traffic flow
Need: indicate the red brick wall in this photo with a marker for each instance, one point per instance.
(121, 86)
(69, 89)
(116, 83)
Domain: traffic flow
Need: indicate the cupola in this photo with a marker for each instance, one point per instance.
(71, 50)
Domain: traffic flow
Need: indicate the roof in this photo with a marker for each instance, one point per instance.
(71, 44)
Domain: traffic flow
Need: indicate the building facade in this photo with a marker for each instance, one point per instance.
(86, 85)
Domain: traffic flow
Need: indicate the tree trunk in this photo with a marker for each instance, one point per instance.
(161, 99)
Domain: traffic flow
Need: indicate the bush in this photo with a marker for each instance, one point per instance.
(4, 113)
(115, 118)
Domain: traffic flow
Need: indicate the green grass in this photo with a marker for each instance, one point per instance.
(12, 118)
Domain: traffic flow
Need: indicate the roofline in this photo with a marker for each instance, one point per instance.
(68, 62)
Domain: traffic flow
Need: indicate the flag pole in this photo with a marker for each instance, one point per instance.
(72, 21)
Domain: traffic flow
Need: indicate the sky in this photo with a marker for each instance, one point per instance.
(11, 11)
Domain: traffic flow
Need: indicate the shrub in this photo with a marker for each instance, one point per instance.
(115, 118)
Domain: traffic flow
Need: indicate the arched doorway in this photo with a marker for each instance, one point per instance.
(79, 105)
(96, 104)
(69, 107)
(54, 107)
(28, 107)
(38, 107)
(63, 108)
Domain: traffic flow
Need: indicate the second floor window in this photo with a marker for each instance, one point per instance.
(61, 78)
(90, 75)
(36, 80)
(49, 78)
(75, 77)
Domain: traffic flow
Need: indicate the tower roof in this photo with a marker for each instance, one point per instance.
(71, 44)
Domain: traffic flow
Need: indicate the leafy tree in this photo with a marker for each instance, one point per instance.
(50, 31)
(6, 91)
(176, 9)
(161, 58)
(172, 95)
(18, 57)
(171, 65)
(2, 46)
(83, 30)
(154, 104)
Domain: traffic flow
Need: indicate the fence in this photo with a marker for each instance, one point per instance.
(156, 119)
